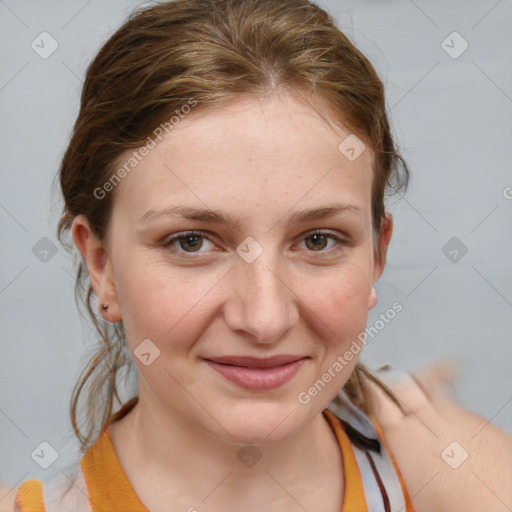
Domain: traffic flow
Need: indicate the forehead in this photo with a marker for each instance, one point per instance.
(251, 152)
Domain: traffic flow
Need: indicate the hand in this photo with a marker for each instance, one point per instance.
(451, 459)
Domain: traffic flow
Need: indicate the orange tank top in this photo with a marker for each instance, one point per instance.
(104, 487)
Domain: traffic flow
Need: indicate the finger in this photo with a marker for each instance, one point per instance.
(437, 380)
(381, 407)
(406, 389)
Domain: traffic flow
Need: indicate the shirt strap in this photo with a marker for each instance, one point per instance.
(354, 493)
(383, 484)
(29, 497)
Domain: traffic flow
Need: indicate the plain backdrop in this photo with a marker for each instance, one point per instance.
(448, 77)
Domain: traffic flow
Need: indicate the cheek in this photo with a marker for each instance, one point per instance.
(340, 314)
(342, 317)
(340, 300)
(162, 303)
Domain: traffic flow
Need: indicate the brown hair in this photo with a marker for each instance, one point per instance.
(211, 51)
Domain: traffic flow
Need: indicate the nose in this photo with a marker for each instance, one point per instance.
(262, 305)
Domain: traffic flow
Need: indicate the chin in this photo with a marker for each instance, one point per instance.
(262, 424)
(261, 434)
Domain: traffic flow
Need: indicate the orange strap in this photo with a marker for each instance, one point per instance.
(29, 497)
(115, 492)
(354, 500)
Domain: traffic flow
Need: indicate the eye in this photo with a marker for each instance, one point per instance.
(319, 239)
(190, 242)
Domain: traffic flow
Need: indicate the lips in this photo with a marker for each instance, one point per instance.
(257, 374)
(256, 362)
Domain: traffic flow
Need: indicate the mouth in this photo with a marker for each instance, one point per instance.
(257, 374)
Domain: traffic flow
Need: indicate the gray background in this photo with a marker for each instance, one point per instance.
(453, 120)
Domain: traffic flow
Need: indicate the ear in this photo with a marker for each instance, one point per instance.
(380, 262)
(99, 266)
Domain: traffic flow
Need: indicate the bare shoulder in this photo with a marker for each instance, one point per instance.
(7, 498)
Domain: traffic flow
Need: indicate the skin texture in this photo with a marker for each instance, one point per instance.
(259, 160)
(7, 497)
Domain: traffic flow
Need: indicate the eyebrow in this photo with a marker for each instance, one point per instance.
(216, 216)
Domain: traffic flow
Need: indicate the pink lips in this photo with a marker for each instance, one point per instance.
(255, 373)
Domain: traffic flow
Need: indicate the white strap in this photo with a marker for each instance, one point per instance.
(372, 493)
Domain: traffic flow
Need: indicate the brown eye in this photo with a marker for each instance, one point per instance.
(318, 241)
(185, 243)
(192, 241)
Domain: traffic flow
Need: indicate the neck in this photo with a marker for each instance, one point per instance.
(163, 446)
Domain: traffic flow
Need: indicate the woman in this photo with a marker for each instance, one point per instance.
(225, 187)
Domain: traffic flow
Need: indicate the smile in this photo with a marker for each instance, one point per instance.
(257, 374)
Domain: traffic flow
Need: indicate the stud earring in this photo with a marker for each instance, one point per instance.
(104, 307)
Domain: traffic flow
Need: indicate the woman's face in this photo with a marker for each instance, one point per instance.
(258, 286)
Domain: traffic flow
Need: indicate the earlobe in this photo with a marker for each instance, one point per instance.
(372, 299)
(99, 268)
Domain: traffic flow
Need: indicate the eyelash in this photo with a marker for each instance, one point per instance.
(167, 243)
